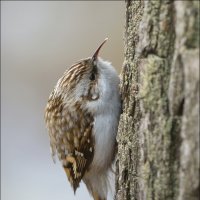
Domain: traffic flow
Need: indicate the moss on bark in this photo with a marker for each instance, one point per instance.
(158, 93)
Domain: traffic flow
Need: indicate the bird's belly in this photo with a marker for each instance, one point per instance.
(105, 129)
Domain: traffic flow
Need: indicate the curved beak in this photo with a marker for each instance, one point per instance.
(94, 57)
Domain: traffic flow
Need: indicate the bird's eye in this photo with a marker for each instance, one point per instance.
(92, 76)
(93, 73)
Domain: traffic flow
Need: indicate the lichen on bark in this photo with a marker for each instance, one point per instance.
(159, 124)
(127, 184)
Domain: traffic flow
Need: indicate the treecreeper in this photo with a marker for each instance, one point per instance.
(82, 116)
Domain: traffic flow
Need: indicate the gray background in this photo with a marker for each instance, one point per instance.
(38, 41)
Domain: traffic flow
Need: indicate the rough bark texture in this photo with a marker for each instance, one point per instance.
(158, 135)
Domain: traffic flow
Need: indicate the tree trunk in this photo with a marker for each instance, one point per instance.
(158, 135)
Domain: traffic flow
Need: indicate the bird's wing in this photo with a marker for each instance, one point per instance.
(80, 156)
(75, 145)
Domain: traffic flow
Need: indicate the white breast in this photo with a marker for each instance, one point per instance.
(106, 112)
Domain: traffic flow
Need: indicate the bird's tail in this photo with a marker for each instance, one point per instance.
(96, 196)
(98, 184)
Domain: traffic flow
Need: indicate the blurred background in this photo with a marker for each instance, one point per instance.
(39, 39)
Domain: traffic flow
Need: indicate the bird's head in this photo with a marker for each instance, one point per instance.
(89, 81)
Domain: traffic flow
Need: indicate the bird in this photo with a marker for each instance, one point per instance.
(82, 116)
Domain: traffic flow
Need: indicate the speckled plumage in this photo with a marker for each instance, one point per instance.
(82, 116)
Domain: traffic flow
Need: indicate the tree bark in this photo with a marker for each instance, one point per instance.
(158, 134)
